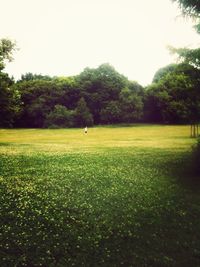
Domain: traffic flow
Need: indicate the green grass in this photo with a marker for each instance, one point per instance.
(113, 197)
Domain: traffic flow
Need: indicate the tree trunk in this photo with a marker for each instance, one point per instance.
(194, 130)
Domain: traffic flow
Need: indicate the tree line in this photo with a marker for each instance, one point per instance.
(98, 96)
(102, 95)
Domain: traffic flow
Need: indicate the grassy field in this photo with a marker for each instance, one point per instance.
(117, 196)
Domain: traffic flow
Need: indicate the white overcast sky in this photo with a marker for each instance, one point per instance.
(62, 37)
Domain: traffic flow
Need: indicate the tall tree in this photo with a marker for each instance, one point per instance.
(175, 97)
(100, 86)
(39, 98)
(190, 8)
(41, 95)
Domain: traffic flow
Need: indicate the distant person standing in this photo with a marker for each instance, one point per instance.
(86, 130)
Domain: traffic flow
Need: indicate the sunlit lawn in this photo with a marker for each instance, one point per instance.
(112, 197)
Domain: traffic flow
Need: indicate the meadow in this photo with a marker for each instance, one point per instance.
(117, 196)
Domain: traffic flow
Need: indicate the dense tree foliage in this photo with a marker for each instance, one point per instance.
(60, 116)
(40, 96)
(30, 76)
(100, 95)
(9, 101)
(99, 87)
(175, 97)
(190, 56)
(190, 8)
(97, 96)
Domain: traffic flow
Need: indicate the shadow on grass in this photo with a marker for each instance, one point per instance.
(9, 144)
(4, 144)
(186, 168)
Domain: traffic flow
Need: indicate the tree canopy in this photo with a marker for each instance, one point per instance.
(189, 8)
(98, 96)
(94, 96)
(175, 96)
(6, 51)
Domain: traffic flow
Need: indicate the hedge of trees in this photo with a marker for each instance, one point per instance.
(97, 96)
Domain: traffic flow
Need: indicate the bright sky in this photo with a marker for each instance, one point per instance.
(62, 37)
